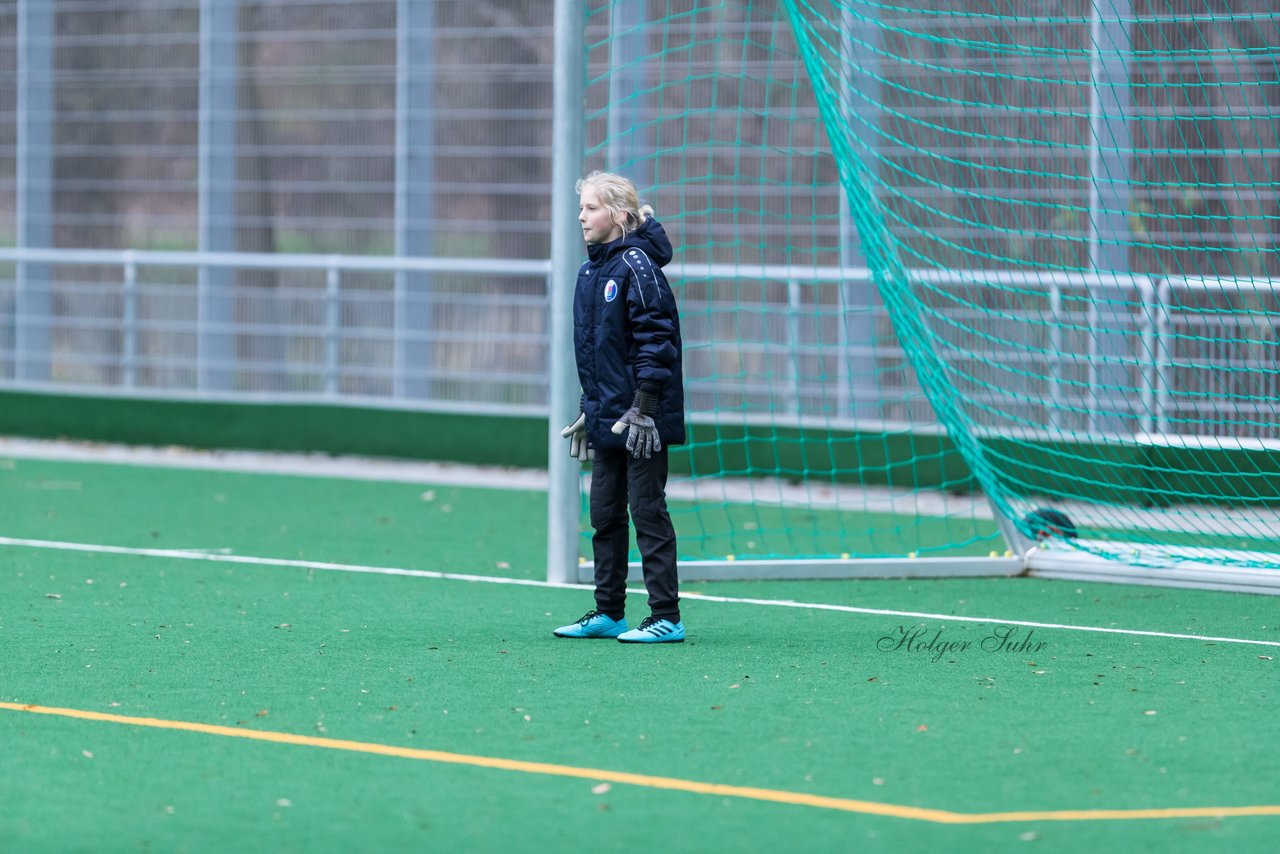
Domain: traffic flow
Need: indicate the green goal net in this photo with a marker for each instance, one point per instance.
(963, 277)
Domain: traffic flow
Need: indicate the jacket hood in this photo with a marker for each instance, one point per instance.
(650, 238)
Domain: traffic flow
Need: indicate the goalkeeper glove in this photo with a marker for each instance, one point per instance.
(642, 432)
(576, 433)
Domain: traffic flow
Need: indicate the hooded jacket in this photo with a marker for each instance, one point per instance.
(626, 335)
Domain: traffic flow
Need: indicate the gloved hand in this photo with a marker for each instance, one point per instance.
(576, 433)
(642, 432)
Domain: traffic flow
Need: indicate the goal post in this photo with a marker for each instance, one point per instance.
(973, 289)
(566, 154)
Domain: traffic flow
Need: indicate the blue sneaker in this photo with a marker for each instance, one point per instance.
(593, 624)
(654, 630)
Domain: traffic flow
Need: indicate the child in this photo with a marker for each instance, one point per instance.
(626, 335)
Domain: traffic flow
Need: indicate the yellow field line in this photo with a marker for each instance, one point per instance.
(647, 781)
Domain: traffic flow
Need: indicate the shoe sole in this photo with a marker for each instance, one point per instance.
(586, 637)
(677, 640)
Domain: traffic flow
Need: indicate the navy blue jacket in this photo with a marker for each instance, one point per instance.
(626, 334)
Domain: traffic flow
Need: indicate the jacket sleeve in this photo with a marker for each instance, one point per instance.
(651, 307)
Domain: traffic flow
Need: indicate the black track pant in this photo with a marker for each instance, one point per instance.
(619, 480)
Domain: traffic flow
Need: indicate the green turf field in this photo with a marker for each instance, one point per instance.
(396, 712)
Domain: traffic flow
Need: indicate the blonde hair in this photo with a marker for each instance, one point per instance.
(619, 195)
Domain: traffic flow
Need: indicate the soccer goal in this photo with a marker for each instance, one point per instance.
(973, 288)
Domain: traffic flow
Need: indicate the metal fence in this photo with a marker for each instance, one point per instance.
(453, 332)
(797, 347)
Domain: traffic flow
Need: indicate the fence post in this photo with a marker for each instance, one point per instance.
(1110, 166)
(1150, 346)
(129, 321)
(33, 179)
(1164, 353)
(415, 145)
(216, 191)
(793, 333)
(1055, 358)
(333, 322)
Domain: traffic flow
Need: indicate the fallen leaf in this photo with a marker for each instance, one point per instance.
(600, 789)
(922, 728)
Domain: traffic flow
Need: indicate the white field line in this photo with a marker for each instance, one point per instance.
(220, 556)
(201, 555)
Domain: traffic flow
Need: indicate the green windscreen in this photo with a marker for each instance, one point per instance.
(941, 264)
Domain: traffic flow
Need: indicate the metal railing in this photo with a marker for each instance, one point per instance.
(404, 331)
(1023, 350)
